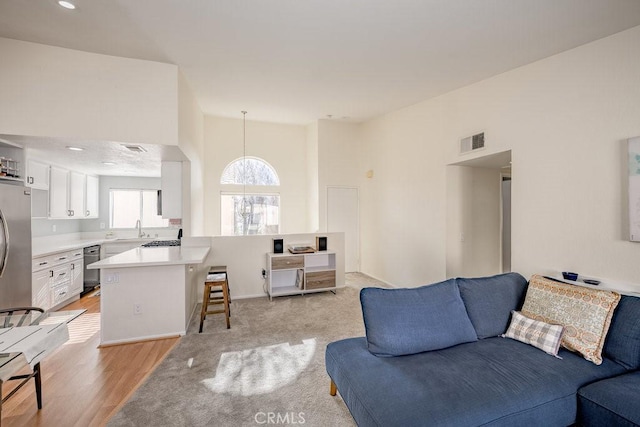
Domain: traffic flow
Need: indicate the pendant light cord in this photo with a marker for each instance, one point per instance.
(244, 157)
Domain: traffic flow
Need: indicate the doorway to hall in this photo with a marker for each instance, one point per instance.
(479, 216)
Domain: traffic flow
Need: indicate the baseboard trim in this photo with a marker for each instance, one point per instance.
(137, 340)
(378, 279)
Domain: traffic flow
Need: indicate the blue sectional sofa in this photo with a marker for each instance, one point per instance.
(406, 374)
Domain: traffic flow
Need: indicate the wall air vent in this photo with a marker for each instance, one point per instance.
(134, 148)
(472, 143)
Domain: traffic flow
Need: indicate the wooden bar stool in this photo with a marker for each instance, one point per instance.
(216, 291)
(222, 269)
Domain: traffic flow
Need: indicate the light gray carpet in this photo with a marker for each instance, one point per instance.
(269, 364)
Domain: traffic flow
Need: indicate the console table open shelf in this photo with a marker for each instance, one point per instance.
(291, 274)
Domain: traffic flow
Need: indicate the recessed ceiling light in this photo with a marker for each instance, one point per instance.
(109, 163)
(67, 4)
(74, 148)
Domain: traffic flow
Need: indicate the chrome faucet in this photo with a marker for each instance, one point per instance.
(139, 227)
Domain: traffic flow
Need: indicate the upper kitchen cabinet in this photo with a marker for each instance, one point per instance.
(37, 175)
(77, 182)
(66, 193)
(171, 184)
(92, 196)
(59, 193)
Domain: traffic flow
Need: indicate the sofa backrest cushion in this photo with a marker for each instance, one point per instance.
(585, 313)
(623, 340)
(490, 300)
(414, 320)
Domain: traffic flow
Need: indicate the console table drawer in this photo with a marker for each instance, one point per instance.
(320, 280)
(281, 263)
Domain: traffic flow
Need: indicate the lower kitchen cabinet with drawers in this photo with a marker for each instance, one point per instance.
(57, 279)
(290, 274)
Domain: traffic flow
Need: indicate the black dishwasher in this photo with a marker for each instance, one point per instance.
(91, 277)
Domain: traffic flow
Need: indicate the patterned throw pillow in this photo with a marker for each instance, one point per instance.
(585, 313)
(539, 334)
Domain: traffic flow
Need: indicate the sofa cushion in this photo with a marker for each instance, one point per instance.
(623, 340)
(495, 381)
(544, 336)
(584, 312)
(611, 402)
(489, 301)
(408, 321)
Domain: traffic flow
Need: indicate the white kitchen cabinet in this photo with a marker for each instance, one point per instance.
(57, 278)
(77, 182)
(59, 193)
(171, 184)
(41, 289)
(66, 193)
(37, 175)
(77, 276)
(92, 196)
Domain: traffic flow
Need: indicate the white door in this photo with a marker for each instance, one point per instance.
(342, 215)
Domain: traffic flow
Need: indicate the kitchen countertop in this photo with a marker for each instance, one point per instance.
(154, 256)
(42, 246)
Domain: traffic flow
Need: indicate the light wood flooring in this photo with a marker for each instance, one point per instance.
(83, 385)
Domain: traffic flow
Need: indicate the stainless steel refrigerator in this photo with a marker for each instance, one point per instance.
(15, 246)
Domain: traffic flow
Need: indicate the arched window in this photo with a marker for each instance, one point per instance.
(258, 172)
(257, 212)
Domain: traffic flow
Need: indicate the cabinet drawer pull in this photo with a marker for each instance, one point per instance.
(62, 258)
(43, 263)
(62, 274)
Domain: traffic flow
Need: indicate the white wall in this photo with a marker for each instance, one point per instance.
(283, 146)
(565, 118)
(313, 209)
(191, 142)
(55, 92)
(338, 144)
(403, 207)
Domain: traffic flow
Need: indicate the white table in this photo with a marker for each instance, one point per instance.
(22, 346)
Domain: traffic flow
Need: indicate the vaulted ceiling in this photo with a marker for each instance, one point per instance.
(295, 61)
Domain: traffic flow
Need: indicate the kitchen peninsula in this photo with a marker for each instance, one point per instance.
(149, 293)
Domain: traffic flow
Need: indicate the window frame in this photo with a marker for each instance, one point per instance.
(240, 159)
(140, 209)
(235, 192)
